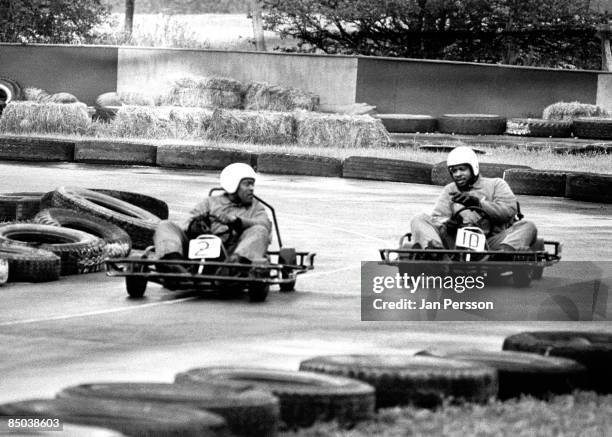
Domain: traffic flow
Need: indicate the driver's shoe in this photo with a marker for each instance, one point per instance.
(172, 283)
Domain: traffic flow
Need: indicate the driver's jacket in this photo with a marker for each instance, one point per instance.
(496, 199)
(222, 205)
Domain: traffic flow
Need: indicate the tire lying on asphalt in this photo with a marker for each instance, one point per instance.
(591, 349)
(405, 123)
(472, 124)
(522, 373)
(593, 127)
(589, 187)
(154, 205)
(412, 380)
(536, 182)
(27, 264)
(536, 127)
(137, 222)
(130, 418)
(248, 412)
(19, 206)
(441, 176)
(79, 251)
(304, 397)
(118, 242)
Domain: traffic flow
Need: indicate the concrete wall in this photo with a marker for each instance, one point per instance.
(85, 72)
(438, 87)
(331, 77)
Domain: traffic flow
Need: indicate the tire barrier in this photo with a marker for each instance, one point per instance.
(115, 152)
(79, 251)
(535, 127)
(35, 149)
(130, 418)
(248, 412)
(472, 124)
(19, 206)
(405, 123)
(596, 128)
(591, 349)
(138, 223)
(118, 242)
(188, 156)
(589, 187)
(441, 176)
(382, 169)
(310, 165)
(443, 148)
(155, 206)
(304, 397)
(412, 380)
(10, 90)
(27, 264)
(528, 374)
(536, 182)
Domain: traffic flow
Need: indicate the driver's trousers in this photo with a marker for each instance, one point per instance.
(252, 243)
(520, 236)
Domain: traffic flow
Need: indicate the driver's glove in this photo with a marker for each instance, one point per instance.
(236, 224)
(199, 225)
(452, 225)
(466, 199)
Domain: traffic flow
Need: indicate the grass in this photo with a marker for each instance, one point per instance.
(581, 414)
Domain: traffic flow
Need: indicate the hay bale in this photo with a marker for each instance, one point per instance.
(155, 122)
(56, 118)
(262, 95)
(63, 98)
(36, 95)
(136, 98)
(204, 92)
(337, 130)
(572, 110)
(265, 127)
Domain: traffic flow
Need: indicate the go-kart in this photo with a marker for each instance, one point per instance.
(207, 268)
(472, 256)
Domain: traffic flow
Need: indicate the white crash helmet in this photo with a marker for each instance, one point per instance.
(463, 155)
(234, 173)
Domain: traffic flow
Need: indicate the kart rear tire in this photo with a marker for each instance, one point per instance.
(136, 286)
(522, 276)
(538, 272)
(258, 291)
(287, 256)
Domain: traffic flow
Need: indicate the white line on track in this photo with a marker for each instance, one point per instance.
(97, 313)
(329, 272)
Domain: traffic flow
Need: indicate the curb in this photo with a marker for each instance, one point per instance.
(36, 149)
(187, 156)
(536, 182)
(310, 165)
(383, 169)
(589, 187)
(115, 152)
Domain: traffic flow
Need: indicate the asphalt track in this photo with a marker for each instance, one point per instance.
(84, 329)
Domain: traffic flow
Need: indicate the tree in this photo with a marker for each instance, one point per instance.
(129, 17)
(258, 31)
(49, 21)
(555, 33)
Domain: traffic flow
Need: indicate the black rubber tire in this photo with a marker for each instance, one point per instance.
(595, 128)
(289, 163)
(529, 374)
(522, 276)
(591, 349)
(19, 206)
(406, 123)
(536, 127)
(118, 242)
(287, 256)
(258, 291)
(154, 205)
(191, 156)
(248, 412)
(304, 397)
(589, 187)
(441, 176)
(538, 272)
(138, 223)
(443, 148)
(27, 264)
(409, 380)
(536, 182)
(12, 87)
(383, 169)
(472, 124)
(130, 418)
(136, 286)
(79, 251)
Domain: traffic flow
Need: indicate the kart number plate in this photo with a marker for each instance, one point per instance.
(205, 246)
(469, 239)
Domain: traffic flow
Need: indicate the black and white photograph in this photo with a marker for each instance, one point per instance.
(305, 218)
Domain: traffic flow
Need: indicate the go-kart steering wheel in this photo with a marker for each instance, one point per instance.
(456, 216)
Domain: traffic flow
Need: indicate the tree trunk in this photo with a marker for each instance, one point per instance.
(258, 33)
(129, 17)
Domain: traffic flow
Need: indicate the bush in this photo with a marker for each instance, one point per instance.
(572, 110)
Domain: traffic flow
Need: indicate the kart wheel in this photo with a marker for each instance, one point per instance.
(538, 271)
(258, 291)
(135, 286)
(521, 276)
(287, 256)
(287, 287)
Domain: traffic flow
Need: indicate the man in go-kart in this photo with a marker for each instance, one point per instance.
(468, 189)
(235, 216)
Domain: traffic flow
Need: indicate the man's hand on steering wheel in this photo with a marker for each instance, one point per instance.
(466, 199)
(231, 220)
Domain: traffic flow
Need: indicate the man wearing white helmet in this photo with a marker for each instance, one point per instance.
(469, 188)
(236, 216)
